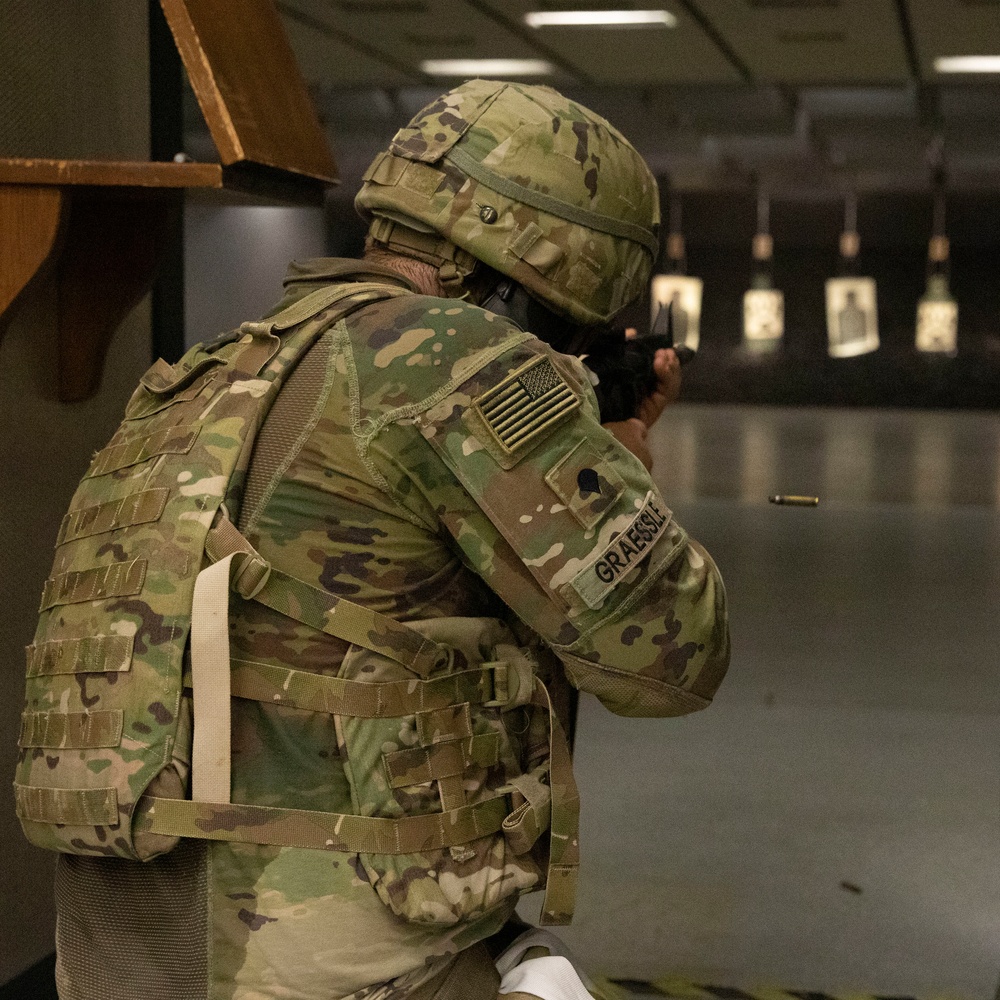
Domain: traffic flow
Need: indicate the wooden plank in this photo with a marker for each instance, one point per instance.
(249, 86)
(107, 173)
(31, 227)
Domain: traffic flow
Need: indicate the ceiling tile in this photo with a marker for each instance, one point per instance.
(813, 41)
(328, 60)
(404, 33)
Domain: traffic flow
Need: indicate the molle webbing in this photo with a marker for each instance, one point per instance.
(488, 684)
(93, 654)
(177, 440)
(67, 806)
(71, 730)
(333, 615)
(105, 670)
(550, 798)
(421, 765)
(345, 832)
(99, 583)
(136, 508)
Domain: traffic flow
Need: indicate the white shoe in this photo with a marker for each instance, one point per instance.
(554, 977)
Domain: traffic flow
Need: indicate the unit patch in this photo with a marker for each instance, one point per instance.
(521, 409)
(622, 554)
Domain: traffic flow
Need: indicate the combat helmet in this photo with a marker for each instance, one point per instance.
(528, 182)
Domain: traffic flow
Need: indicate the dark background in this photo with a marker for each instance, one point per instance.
(894, 231)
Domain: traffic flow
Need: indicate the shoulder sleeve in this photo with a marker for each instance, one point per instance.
(567, 527)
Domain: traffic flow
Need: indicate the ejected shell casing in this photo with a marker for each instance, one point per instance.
(794, 501)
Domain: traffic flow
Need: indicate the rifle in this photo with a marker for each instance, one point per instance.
(624, 365)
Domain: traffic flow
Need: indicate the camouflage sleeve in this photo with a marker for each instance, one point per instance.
(567, 527)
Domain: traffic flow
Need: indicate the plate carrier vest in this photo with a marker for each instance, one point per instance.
(151, 534)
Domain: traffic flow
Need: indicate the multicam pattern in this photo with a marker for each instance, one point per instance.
(131, 578)
(574, 208)
(105, 719)
(393, 502)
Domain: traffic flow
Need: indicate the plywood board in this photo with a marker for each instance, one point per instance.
(110, 173)
(249, 87)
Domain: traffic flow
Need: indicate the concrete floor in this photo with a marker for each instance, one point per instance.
(832, 822)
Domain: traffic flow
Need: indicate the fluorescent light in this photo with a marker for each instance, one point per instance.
(967, 64)
(579, 18)
(486, 67)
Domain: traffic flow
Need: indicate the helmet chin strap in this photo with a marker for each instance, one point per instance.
(510, 300)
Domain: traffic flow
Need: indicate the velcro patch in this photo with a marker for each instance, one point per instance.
(622, 554)
(586, 483)
(525, 405)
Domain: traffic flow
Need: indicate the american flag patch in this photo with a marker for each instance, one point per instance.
(526, 404)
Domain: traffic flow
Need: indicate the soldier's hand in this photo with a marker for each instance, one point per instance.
(632, 434)
(668, 387)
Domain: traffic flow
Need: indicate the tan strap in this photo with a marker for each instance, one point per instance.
(531, 819)
(336, 616)
(564, 839)
(344, 832)
(484, 685)
(210, 748)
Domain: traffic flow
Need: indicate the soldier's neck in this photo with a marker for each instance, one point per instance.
(423, 275)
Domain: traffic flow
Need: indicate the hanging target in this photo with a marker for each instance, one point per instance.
(763, 316)
(682, 295)
(851, 316)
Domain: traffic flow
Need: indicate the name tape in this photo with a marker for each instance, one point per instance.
(624, 552)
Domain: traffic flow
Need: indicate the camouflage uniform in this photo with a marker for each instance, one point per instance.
(446, 469)
(391, 499)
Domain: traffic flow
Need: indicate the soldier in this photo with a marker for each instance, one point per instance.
(437, 459)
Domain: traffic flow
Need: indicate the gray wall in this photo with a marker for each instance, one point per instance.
(74, 84)
(235, 257)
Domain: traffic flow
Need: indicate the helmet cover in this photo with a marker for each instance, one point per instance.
(530, 183)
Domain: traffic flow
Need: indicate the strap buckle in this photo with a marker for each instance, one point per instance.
(250, 575)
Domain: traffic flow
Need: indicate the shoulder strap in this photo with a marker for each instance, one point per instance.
(297, 406)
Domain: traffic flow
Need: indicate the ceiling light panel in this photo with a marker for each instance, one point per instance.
(967, 64)
(465, 69)
(600, 18)
(814, 43)
(953, 29)
(400, 35)
(611, 55)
